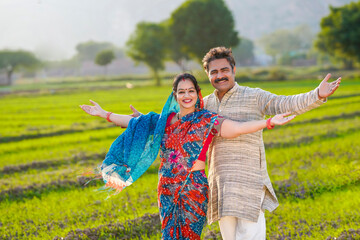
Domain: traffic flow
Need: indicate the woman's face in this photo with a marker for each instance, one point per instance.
(186, 94)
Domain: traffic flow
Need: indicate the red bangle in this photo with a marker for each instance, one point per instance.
(268, 124)
(108, 116)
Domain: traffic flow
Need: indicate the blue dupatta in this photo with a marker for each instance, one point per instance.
(133, 152)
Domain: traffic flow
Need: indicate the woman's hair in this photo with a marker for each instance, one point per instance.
(184, 76)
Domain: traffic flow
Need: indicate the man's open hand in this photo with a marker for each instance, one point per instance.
(326, 89)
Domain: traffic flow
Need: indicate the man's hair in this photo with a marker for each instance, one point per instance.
(218, 53)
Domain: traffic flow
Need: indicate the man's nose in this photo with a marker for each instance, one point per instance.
(219, 75)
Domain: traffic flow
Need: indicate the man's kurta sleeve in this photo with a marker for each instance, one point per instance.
(271, 104)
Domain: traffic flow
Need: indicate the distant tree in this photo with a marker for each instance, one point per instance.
(148, 45)
(279, 43)
(104, 58)
(87, 51)
(199, 25)
(12, 61)
(174, 50)
(244, 52)
(340, 33)
(306, 36)
(286, 45)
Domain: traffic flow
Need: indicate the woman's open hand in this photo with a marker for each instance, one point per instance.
(281, 119)
(95, 110)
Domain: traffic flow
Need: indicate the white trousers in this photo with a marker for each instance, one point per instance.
(233, 228)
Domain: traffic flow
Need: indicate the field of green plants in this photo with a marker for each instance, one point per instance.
(47, 142)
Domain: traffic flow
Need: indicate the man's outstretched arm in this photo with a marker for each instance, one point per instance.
(271, 104)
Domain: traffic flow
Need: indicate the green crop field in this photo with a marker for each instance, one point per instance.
(47, 142)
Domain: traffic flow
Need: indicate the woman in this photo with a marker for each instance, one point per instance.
(183, 133)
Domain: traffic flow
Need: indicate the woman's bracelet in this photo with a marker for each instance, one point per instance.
(268, 124)
(108, 116)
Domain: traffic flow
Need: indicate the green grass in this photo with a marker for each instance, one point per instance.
(47, 141)
(316, 218)
(67, 209)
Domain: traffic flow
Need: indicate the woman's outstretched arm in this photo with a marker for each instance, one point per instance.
(232, 129)
(96, 110)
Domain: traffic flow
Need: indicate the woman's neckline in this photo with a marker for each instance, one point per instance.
(179, 119)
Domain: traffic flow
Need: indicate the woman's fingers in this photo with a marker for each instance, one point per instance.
(281, 119)
(289, 118)
(135, 113)
(88, 109)
(286, 114)
(94, 103)
(133, 109)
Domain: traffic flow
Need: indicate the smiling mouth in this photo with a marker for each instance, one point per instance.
(187, 101)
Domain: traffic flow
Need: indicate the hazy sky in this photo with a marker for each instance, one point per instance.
(53, 27)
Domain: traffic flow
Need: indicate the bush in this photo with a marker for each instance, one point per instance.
(242, 77)
(260, 72)
(276, 75)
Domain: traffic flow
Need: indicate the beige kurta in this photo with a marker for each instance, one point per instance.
(237, 167)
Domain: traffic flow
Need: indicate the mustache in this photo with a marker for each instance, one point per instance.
(220, 79)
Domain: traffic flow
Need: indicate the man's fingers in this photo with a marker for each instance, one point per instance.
(326, 78)
(338, 81)
(334, 89)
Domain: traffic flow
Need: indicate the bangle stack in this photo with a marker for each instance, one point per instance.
(108, 116)
(268, 124)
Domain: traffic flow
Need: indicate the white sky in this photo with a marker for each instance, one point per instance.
(54, 27)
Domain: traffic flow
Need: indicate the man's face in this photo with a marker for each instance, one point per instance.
(221, 75)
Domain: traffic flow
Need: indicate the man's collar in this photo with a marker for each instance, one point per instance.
(233, 89)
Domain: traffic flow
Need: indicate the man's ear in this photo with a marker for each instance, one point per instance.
(234, 69)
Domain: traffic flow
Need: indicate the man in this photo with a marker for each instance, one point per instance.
(239, 185)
